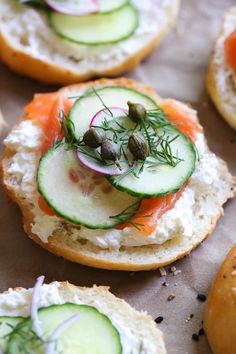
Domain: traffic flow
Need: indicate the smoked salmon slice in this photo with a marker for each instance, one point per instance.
(230, 50)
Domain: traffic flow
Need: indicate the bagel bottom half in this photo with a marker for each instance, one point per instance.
(220, 312)
(125, 258)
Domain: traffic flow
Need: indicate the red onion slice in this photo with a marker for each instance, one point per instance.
(109, 113)
(51, 345)
(96, 166)
(34, 306)
(74, 7)
(87, 155)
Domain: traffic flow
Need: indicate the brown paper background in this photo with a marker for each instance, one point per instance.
(176, 69)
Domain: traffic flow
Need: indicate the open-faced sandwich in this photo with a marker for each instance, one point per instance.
(62, 318)
(66, 41)
(220, 312)
(221, 78)
(110, 175)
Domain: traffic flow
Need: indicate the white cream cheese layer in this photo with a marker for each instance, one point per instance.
(204, 183)
(17, 303)
(29, 30)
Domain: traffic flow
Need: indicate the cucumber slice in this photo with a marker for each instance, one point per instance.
(164, 179)
(81, 7)
(86, 107)
(7, 325)
(96, 29)
(78, 194)
(91, 333)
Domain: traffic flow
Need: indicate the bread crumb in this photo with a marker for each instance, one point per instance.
(162, 272)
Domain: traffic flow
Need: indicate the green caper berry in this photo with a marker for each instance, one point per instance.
(138, 146)
(110, 151)
(94, 137)
(137, 112)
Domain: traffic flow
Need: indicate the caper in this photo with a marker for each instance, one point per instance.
(94, 137)
(110, 151)
(137, 112)
(138, 146)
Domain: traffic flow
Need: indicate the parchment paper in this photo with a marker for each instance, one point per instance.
(176, 69)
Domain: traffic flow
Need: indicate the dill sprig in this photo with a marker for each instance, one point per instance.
(67, 133)
(128, 213)
(30, 340)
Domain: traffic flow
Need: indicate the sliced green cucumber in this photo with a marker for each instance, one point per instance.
(157, 181)
(91, 333)
(78, 194)
(96, 29)
(87, 106)
(7, 325)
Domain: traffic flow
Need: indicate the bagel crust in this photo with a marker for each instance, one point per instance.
(27, 61)
(126, 258)
(220, 311)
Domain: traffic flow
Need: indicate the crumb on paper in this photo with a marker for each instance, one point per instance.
(2, 121)
(165, 284)
(162, 272)
(175, 271)
(180, 31)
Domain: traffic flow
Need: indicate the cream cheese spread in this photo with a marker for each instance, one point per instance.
(25, 140)
(17, 303)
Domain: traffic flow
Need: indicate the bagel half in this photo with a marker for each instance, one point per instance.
(136, 328)
(206, 208)
(221, 80)
(220, 312)
(29, 47)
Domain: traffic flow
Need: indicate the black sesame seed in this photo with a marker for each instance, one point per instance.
(201, 297)
(195, 337)
(159, 319)
(192, 315)
(201, 332)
